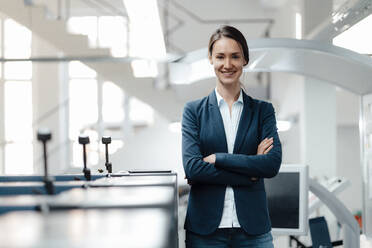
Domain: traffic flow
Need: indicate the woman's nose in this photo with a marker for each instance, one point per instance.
(227, 63)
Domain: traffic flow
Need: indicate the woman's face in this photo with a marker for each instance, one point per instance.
(228, 61)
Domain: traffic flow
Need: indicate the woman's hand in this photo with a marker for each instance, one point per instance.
(265, 146)
(210, 159)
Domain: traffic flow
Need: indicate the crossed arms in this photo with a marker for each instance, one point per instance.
(225, 168)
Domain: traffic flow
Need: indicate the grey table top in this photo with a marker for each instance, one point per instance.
(135, 180)
(100, 197)
(110, 197)
(135, 228)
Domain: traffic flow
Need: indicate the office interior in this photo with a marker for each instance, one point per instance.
(124, 69)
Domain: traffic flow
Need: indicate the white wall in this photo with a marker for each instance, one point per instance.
(287, 91)
(348, 166)
(348, 148)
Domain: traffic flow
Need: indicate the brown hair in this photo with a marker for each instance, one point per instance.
(232, 33)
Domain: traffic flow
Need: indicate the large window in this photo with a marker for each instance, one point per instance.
(83, 110)
(84, 91)
(103, 31)
(17, 101)
(87, 93)
(112, 104)
(357, 38)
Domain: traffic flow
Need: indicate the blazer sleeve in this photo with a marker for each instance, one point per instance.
(263, 166)
(195, 168)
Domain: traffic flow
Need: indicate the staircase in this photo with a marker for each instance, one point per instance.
(55, 33)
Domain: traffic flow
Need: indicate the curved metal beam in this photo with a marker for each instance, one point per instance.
(343, 215)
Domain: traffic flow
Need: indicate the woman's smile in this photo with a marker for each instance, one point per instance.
(228, 73)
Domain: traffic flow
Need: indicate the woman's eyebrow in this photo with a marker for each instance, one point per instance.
(234, 53)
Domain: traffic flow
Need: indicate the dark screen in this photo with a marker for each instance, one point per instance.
(283, 195)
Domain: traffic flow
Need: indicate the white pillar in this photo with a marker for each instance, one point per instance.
(2, 122)
(65, 150)
(46, 107)
(319, 128)
(2, 97)
(127, 127)
(365, 128)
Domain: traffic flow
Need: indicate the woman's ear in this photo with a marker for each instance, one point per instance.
(210, 59)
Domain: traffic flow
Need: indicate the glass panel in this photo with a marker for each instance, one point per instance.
(16, 53)
(357, 38)
(113, 34)
(76, 69)
(86, 25)
(17, 40)
(145, 24)
(19, 158)
(18, 70)
(140, 111)
(83, 105)
(113, 98)
(18, 110)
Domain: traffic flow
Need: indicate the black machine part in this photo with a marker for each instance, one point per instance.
(107, 140)
(84, 140)
(44, 135)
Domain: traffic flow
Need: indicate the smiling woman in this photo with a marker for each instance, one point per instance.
(229, 145)
(227, 61)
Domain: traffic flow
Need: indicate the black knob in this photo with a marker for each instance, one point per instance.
(106, 140)
(44, 134)
(83, 139)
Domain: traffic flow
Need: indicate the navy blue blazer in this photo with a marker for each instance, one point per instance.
(203, 134)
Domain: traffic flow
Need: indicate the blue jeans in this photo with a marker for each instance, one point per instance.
(229, 238)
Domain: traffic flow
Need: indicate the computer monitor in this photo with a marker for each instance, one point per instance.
(287, 195)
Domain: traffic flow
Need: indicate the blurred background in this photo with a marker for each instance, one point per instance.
(126, 68)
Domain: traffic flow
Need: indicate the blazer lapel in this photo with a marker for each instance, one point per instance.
(244, 123)
(217, 122)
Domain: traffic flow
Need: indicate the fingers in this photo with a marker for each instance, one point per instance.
(210, 159)
(268, 149)
(266, 143)
(264, 146)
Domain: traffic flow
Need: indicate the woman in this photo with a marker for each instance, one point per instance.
(229, 145)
